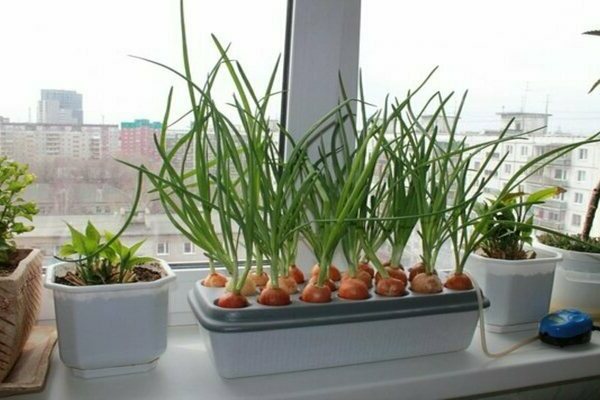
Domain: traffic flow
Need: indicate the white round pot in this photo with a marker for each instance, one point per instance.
(519, 290)
(576, 281)
(110, 329)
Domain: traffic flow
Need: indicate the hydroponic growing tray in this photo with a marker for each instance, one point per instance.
(259, 340)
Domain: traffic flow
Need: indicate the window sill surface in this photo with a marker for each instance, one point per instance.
(186, 372)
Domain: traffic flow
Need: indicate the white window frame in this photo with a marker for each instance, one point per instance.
(524, 150)
(583, 154)
(581, 175)
(563, 174)
(578, 195)
(507, 168)
(573, 223)
(165, 251)
(192, 248)
(559, 196)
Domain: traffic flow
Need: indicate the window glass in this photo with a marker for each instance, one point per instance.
(581, 176)
(576, 220)
(480, 47)
(162, 248)
(188, 248)
(74, 101)
(578, 198)
(559, 174)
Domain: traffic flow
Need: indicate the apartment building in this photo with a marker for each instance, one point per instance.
(34, 142)
(576, 172)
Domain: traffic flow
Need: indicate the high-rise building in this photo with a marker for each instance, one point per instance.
(60, 107)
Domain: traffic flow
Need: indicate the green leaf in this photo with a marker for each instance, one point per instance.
(66, 250)
(92, 233)
(78, 241)
(544, 194)
(594, 86)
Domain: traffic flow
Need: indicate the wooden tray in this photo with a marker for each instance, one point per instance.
(29, 373)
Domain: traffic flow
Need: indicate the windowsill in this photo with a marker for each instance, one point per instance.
(185, 371)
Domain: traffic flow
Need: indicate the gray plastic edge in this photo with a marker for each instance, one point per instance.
(223, 326)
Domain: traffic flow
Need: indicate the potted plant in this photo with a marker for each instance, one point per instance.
(516, 278)
(20, 269)
(111, 305)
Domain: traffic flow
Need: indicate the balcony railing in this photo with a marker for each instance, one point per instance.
(554, 204)
(546, 180)
(556, 225)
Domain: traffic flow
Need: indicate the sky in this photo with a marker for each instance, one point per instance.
(511, 55)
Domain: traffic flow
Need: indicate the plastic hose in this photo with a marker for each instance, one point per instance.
(484, 346)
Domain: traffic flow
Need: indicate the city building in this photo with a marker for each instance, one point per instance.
(29, 142)
(60, 107)
(137, 139)
(161, 238)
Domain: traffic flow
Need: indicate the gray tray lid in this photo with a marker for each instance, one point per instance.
(257, 317)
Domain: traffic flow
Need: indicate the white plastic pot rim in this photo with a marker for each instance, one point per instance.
(52, 285)
(543, 256)
(572, 254)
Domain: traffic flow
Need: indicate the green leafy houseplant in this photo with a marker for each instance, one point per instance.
(20, 269)
(14, 179)
(510, 224)
(103, 259)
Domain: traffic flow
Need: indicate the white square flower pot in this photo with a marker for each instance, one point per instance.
(519, 290)
(111, 329)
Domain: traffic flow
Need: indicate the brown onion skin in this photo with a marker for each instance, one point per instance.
(362, 275)
(425, 283)
(316, 294)
(259, 280)
(215, 280)
(367, 268)
(297, 274)
(353, 289)
(287, 283)
(334, 272)
(274, 297)
(416, 269)
(396, 273)
(232, 300)
(458, 282)
(391, 287)
(328, 282)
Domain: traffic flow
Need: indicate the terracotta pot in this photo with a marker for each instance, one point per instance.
(20, 300)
